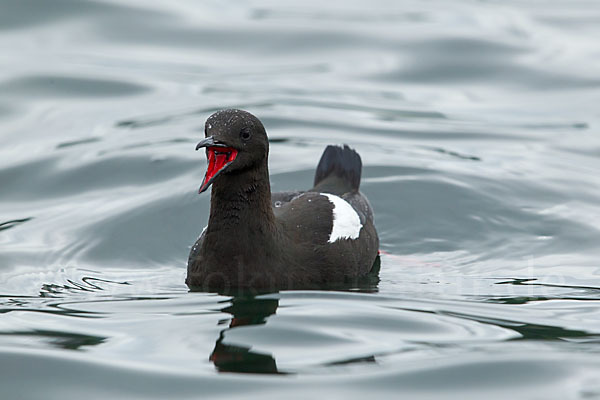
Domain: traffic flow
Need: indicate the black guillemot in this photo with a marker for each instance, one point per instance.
(289, 240)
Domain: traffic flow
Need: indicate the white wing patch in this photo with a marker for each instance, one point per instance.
(346, 222)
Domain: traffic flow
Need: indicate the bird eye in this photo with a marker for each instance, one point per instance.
(245, 134)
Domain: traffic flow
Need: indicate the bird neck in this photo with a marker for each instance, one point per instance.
(240, 206)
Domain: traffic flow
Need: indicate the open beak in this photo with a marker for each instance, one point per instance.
(219, 155)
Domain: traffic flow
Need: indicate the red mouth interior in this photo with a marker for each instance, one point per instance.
(218, 158)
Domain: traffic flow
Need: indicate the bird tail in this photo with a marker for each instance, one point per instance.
(339, 167)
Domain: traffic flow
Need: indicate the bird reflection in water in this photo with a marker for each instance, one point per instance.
(246, 310)
(253, 309)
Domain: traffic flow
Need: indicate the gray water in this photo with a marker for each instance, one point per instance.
(478, 125)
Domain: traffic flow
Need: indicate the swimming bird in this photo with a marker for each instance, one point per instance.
(262, 240)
